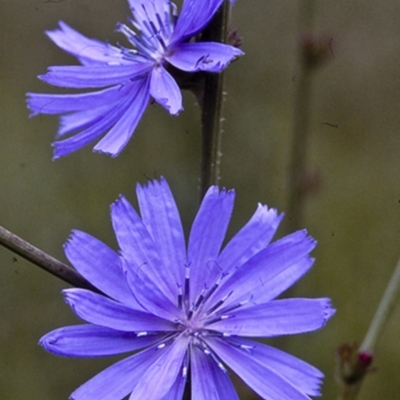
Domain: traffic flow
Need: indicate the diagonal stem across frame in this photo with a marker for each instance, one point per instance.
(43, 260)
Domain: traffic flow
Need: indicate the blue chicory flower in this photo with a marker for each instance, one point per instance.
(190, 311)
(128, 77)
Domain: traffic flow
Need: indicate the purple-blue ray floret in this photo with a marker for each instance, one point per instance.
(124, 80)
(177, 309)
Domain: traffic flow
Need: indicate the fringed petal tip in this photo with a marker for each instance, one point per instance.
(55, 157)
(215, 190)
(57, 153)
(43, 77)
(43, 341)
(329, 311)
(62, 26)
(271, 209)
(71, 237)
(28, 102)
(121, 199)
(151, 183)
(34, 104)
(61, 150)
(66, 293)
(112, 154)
(49, 342)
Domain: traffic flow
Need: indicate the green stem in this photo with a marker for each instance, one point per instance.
(297, 166)
(352, 374)
(382, 314)
(43, 260)
(212, 105)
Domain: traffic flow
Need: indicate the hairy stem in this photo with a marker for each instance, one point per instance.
(43, 260)
(212, 103)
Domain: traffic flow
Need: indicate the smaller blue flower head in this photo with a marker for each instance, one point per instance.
(189, 310)
(127, 77)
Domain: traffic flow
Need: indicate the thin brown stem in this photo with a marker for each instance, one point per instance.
(43, 260)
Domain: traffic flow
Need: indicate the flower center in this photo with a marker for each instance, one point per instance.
(153, 28)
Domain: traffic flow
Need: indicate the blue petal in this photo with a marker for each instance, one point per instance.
(80, 120)
(269, 272)
(137, 245)
(88, 51)
(268, 384)
(64, 103)
(206, 237)
(279, 283)
(161, 219)
(276, 318)
(208, 380)
(94, 341)
(100, 265)
(95, 124)
(202, 56)
(149, 279)
(157, 381)
(97, 113)
(266, 289)
(165, 90)
(251, 239)
(81, 77)
(81, 139)
(122, 120)
(300, 374)
(118, 381)
(149, 296)
(177, 389)
(101, 310)
(194, 16)
(118, 136)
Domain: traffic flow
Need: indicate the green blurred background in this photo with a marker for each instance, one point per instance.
(354, 215)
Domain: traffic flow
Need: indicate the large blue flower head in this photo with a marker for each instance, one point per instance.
(128, 77)
(189, 311)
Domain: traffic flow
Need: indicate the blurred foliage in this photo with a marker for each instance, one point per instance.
(354, 147)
